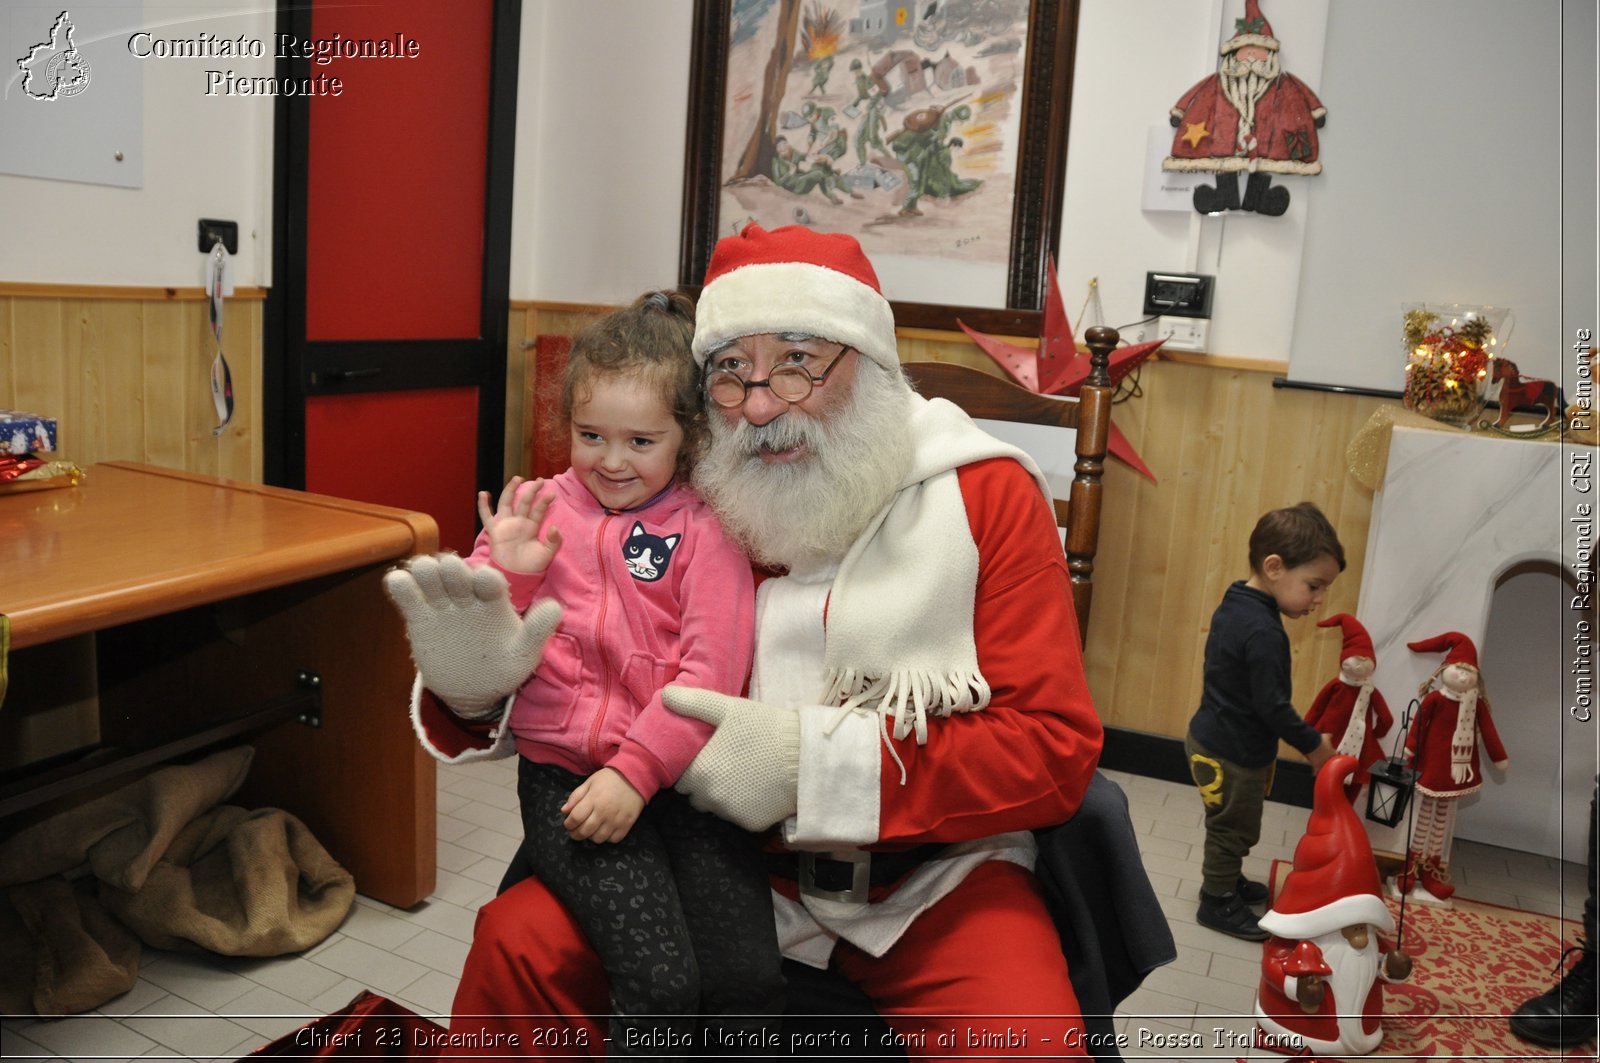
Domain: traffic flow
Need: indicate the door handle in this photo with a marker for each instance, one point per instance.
(333, 376)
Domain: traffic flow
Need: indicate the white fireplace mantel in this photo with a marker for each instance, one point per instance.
(1454, 512)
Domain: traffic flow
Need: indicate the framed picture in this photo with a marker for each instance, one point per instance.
(934, 131)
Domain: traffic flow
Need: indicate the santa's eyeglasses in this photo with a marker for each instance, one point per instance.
(791, 382)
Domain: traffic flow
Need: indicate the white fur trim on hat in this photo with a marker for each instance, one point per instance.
(1244, 40)
(770, 297)
(1335, 915)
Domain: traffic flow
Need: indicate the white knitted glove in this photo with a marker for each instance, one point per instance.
(749, 772)
(471, 647)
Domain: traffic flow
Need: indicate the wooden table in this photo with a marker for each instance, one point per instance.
(156, 614)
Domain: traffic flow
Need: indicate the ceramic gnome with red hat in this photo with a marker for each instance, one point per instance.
(1320, 991)
(1349, 709)
(1442, 747)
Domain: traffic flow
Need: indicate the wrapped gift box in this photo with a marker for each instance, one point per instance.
(26, 433)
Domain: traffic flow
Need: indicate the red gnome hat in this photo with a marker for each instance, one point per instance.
(794, 279)
(1334, 883)
(1357, 643)
(1252, 29)
(1459, 649)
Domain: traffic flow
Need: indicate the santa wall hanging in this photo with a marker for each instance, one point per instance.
(1249, 117)
(1442, 747)
(1349, 709)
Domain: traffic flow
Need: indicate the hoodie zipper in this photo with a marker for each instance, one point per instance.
(599, 640)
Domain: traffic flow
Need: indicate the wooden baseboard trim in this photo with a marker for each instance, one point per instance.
(24, 290)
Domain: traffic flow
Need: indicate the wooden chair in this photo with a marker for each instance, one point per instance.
(989, 397)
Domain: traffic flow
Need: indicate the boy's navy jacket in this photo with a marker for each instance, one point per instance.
(1245, 704)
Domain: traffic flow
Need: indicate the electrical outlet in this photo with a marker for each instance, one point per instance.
(212, 230)
(1183, 333)
(1185, 294)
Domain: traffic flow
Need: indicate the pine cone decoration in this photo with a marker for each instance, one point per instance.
(1476, 331)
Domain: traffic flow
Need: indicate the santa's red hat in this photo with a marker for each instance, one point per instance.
(793, 279)
(1457, 647)
(1334, 883)
(1357, 643)
(1252, 29)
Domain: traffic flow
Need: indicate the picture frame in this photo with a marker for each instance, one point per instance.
(1030, 233)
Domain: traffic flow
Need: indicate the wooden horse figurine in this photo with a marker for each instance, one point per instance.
(1518, 390)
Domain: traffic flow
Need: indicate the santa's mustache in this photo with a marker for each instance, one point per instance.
(785, 432)
(1267, 68)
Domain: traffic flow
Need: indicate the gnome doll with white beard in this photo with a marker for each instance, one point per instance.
(1442, 747)
(1349, 709)
(1320, 992)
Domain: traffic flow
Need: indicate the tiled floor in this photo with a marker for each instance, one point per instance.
(207, 1008)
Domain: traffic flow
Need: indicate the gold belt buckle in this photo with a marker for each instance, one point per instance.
(860, 875)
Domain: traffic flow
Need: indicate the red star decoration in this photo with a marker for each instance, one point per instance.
(1057, 368)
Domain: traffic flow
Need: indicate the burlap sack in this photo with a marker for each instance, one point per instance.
(123, 834)
(60, 952)
(240, 883)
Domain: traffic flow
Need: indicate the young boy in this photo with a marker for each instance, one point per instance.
(1245, 709)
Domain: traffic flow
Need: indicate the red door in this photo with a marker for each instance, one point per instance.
(392, 256)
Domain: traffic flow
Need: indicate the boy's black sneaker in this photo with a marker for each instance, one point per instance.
(1253, 893)
(1229, 915)
(1564, 1015)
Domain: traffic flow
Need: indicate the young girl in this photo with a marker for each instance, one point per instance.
(675, 902)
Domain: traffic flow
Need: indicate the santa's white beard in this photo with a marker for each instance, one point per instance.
(809, 512)
(1354, 971)
(1244, 82)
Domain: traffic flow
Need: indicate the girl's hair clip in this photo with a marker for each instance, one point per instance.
(659, 301)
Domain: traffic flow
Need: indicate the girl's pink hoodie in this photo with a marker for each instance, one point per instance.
(651, 596)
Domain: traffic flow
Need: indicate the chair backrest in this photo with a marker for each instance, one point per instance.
(987, 397)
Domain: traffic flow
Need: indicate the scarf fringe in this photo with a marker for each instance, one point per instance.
(906, 694)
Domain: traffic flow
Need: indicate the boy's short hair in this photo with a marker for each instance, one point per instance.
(1298, 534)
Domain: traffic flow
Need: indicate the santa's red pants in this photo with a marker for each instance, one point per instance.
(531, 975)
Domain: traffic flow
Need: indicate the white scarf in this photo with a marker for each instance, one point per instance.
(1355, 732)
(900, 615)
(1465, 736)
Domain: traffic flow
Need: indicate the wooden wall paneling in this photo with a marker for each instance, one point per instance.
(8, 367)
(40, 365)
(243, 448)
(111, 356)
(167, 365)
(127, 376)
(519, 388)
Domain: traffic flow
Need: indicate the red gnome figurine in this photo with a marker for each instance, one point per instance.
(1349, 710)
(1319, 993)
(1443, 749)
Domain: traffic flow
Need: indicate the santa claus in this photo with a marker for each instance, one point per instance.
(1320, 991)
(1442, 747)
(1249, 116)
(1349, 709)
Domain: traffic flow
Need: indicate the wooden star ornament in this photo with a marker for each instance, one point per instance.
(1058, 368)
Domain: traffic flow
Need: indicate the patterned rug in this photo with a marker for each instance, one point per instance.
(1472, 965)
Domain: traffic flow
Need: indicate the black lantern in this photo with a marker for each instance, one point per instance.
(1389, 790)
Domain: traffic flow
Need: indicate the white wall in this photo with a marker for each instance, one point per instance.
(598, 200)
(1135, 58)
(1446, 182)
(600, 161)
(204, 157)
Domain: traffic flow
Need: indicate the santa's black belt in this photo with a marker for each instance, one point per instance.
(847, 874)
